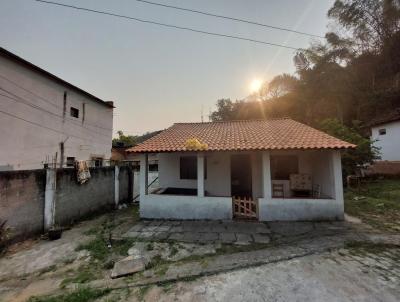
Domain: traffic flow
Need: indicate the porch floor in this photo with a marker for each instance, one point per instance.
(235, 232)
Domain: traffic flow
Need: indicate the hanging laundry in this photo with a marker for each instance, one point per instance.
(82, 171)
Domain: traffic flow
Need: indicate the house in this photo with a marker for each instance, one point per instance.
(385, 133)
(44, 119)
(269, 170)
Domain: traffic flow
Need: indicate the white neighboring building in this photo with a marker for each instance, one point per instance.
(268, 170)
(386, 134)
(43, 117)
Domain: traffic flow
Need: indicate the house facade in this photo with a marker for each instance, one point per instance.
(385, 133)
(267, 170)
(44, 119)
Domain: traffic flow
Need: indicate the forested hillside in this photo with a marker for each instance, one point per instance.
(352, 76)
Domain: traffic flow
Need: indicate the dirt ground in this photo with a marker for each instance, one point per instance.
(306, 262)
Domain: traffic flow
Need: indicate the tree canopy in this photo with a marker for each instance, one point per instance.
(354, 75)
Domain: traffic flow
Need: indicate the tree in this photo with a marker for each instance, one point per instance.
(224, 110)
(279, 86)
(352, 159)
(124, 140)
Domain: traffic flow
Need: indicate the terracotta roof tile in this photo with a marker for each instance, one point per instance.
(274, 134)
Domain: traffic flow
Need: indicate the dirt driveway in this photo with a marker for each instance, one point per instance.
(277, 262)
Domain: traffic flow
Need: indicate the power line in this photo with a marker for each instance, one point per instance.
(168, 25)
(23, 101)
(39, 125)
(229, 18)
(49, 102)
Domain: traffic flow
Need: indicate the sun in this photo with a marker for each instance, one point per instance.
(255, 85)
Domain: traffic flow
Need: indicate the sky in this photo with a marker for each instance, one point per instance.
(158, 76)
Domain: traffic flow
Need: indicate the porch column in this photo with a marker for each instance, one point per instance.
(337, 175)
(200, 174)
(266, 175)
(144, 167)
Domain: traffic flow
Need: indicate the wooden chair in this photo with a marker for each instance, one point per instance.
(316, 192)
(278, 190)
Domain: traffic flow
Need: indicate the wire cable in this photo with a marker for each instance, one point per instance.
(23, 101)
(230, 18)
(168, 25)
(39, 125)
(47, 101)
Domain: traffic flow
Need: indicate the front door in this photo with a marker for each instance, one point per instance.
(241, 185)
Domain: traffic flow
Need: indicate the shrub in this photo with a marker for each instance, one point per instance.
(352, 159)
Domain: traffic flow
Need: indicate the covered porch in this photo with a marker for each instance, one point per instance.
(277, 185)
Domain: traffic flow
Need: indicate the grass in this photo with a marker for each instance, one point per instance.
(376, 203)
(142, 292)
(85, 274)
(362, 248)
(80, 295)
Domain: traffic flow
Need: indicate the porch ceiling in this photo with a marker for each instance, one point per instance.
(274, 134)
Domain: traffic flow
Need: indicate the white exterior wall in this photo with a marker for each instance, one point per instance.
(390, 142)
(324, 166)
(25, 145)
(218, 182)
(326, 169)
(185, 207)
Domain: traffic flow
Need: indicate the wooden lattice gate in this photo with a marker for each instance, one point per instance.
(244, 207)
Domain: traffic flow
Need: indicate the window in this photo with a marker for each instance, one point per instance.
(284, 165)
(188, 167)
(97, 161)
(70, 161)
(153, 166)
(382, 131)
(74, 112)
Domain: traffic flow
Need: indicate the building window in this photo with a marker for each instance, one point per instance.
(70, 161)
(153, 166)
(382, 131)
(74, 112)
(284, 165)
(188, 167)
(97, 162)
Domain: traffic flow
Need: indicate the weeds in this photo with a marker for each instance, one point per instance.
(80, 295)
(142, 292)
(84, 275)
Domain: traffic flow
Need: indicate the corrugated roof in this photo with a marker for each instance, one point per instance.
(274, 134)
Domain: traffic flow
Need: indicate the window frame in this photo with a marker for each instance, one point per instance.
(74, 112)
(191, 175)
(276, 174)
(68, 161)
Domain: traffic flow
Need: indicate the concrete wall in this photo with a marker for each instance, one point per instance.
(323, 165)
(22, 197)
(185, 207)
(390, 142)
(22, 201)
(289, 209)
(40, 102)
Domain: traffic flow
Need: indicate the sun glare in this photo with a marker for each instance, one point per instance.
(255, 85)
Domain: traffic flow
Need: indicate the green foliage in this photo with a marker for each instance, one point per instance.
(353, 75)
(364, 153)
(85, 274)
(131, 140)
(124, 140)
(376, 203)
(80, 295)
